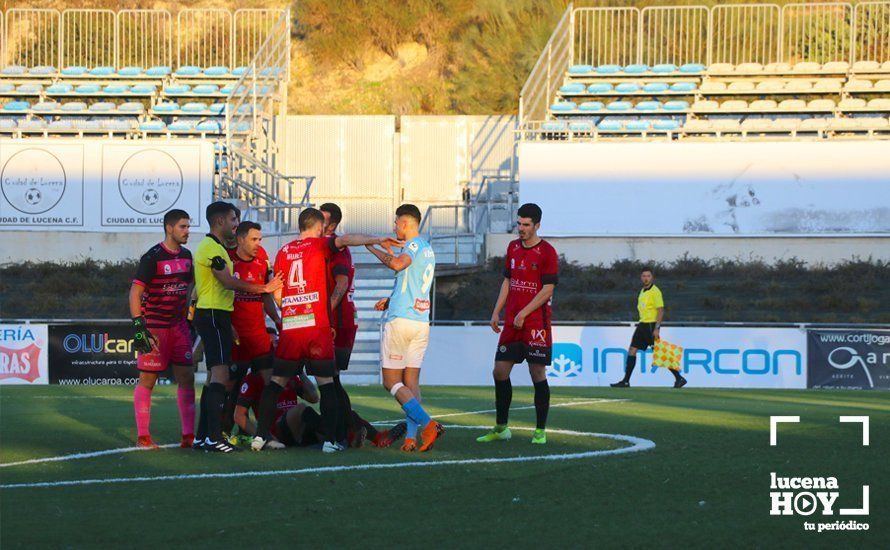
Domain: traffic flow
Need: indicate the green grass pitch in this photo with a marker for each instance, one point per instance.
(704, 484)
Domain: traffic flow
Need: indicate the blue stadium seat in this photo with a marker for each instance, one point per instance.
(17, 106)
(589, 106)
(609, 125)
(61, 124)
(181, 126)
(636, 68)
(13, 70)
(130, 71)
(74, 70)
(194, 107)
(131, 107)
(637, 125)
(599, 88)
(684, 87)
(177, 89)
(627, 88)
(153, 126)
(74, 106)
(676, 105)
(60, 88)
(664, 68)
(102, 71)
(552, 126)
(42, 70)
(7, 123)
(648, 106)
(218, 70)
(167, 107)
(45, 106)
(212, 126)
(6, 88)
(573, 88)
(247, 108)
(668, 125)
(115, 89)
(87, 89)
(33, 89)
(619, 106)
(581, 126)
(227, 89)
(239, 71)
(690, 68)
(188, 70)
(560, 107)
(218, 108)
(87, 124)
(655, 87)
(203, 89)
(102, 107)
(118, 124)
(272, 71)
(158, 71)
(32, 124)
(143, 89)
(244, 126)
(608, 69)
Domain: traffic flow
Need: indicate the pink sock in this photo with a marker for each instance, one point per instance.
(185, 398)
(142, 406)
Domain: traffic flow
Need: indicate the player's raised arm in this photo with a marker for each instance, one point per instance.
(357, 239)
(229, 282)
(387, 258)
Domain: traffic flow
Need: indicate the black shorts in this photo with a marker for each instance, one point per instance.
(644, 336)
(517, 352)
(285, 436)
(214, 326)
(341, 357)
(239, 368)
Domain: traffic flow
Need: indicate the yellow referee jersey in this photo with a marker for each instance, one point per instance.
(648, 302)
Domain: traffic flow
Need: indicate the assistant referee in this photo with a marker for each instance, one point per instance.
(215, 286)
(650, 304)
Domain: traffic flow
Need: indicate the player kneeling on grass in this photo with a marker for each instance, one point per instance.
(407, 330)
(530, 276)
(306, 336)
(158, 305)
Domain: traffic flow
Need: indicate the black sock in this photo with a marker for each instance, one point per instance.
(542, 403)
(676, 374)
(629, 367)
(503, 395)
(344, 419)
(202, 415)
(228, 413)
(329, 406)
(310, 419)
(216, 398)
(266, 410)
(359, 422)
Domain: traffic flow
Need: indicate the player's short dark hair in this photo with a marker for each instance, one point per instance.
(647, 268)
(409, 210)
(217, 209)
(530, 210)
(245, 227)
(309, 217)
(333, 210)
(172, 217)
(237, 211)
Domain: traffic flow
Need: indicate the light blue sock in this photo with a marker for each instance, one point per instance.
(415, 412)
(412, 428)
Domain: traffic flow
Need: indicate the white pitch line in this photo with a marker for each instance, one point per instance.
(638, 444)
(93, 454)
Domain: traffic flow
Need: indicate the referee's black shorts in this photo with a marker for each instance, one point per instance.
(214, 326)
(644, 336)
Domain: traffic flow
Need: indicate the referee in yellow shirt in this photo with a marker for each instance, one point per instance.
(650, 304)
(215, 286)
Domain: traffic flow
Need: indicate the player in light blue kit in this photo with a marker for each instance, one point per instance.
(406, 332)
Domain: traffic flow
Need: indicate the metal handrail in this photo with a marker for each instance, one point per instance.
(530, 92)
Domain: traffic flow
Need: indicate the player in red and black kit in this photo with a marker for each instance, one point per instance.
(344, 322)
(159, 305)
(306, 334)
(530, 276)
(295, 423)
(253, 345)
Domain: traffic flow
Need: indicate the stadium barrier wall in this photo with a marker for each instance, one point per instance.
(714, 357)
(710, 189)
(100, 352)
(101, 185)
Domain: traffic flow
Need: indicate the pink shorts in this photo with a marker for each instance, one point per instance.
(174, 346)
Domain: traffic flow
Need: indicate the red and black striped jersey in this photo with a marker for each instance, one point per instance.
(166, 276)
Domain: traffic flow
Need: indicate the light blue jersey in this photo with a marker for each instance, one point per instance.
(410, 297)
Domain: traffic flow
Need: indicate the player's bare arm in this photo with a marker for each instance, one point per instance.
(396, 263)
(229, 282)
(382, 304)
(541, 298)
(658, 318)
(355, 239)
(243, 420)
(499, 306)
(308, 393)
(270, 308)
(341, 287)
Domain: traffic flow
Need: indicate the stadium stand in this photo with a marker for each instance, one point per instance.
(135, 74)
(818, 70)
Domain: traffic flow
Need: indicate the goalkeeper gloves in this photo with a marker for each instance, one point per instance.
(141, 337)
